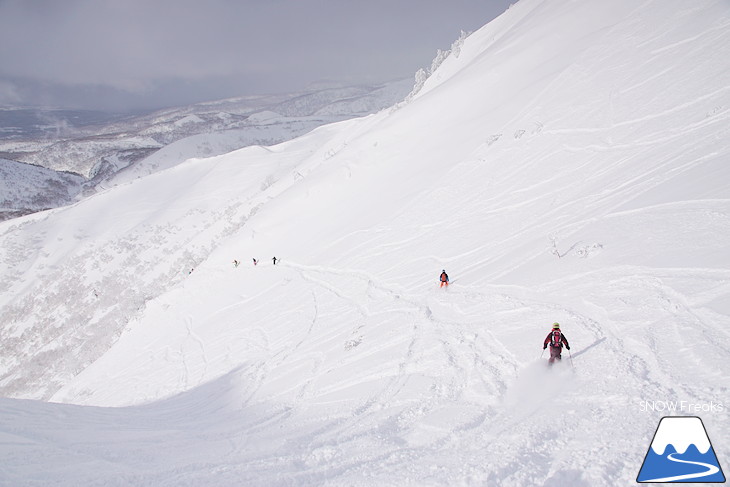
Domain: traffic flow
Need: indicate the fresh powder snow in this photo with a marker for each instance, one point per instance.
(567, 163)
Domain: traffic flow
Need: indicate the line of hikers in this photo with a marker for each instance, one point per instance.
(236, 262)
(555, 339)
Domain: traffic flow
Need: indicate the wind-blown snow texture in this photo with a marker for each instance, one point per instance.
(570, 165)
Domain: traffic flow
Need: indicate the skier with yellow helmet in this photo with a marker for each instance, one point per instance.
(555, 339)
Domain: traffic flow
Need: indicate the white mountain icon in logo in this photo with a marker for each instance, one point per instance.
(681, 452)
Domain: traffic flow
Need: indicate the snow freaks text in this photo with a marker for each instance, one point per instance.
(681, 407)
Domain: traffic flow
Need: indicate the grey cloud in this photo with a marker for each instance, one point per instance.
(137, 48)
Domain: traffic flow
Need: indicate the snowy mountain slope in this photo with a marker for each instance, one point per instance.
(25, 188)
(568, 165)
(85, 155)
(126, 148)
(131, 139)
(266, 128)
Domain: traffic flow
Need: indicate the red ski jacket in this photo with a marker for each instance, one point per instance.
(563, 340)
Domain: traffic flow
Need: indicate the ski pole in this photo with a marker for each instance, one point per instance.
(570, 354)
(543, 353)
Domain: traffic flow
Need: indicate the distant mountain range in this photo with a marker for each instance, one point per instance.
(50, 157)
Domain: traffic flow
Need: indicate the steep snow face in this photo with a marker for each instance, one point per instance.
(569, 164)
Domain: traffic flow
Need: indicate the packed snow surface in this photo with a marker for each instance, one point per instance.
(568, 162)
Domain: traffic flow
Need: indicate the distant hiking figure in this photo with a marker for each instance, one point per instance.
(444, 278)
(235, 263)
(555, 339)
(255, 261)
(274, 259)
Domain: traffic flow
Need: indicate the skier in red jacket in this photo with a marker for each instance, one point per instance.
(555, 339)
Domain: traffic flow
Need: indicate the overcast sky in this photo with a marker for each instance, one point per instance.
(135, 54)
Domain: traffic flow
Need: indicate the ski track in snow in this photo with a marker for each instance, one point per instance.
(578, 178)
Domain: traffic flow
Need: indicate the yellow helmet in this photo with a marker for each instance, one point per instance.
(556, 326)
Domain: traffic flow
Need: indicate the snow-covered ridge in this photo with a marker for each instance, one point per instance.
(79, 150)
(571, 168)
(130, 147)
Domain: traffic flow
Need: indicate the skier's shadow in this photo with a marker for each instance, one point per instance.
(597, 342)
